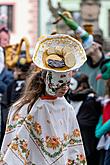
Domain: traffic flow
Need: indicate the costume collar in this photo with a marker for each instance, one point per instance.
(48, 97)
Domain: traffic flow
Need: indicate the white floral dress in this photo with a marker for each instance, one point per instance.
(48, 135)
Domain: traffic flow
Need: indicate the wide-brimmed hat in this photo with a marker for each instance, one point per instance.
(59, 53)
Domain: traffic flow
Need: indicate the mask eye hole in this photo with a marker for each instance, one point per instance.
(104, 69)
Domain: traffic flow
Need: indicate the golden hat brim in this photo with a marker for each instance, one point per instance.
(53, 41)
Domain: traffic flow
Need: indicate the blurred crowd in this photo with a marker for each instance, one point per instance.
(89, 89)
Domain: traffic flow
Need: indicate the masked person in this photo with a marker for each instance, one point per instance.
(42, 127)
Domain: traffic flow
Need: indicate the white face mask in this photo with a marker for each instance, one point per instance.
(56, 80)
(73, 84)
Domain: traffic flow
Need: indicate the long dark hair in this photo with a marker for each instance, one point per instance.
(34, 88)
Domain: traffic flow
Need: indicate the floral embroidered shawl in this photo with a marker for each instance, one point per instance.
(48, 135)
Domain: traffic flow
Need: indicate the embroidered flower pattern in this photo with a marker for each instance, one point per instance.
(54, 143)
(75, 137)
(37, 128)
(66, 136)
(17, 123)
(76, 133)
(29, 117)
(80, 160)
(52, 146)
(16, 117)
(70, 162)
(20, 147)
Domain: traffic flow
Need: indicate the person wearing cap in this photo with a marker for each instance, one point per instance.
(103, 127)
(42, 127)
(88, 109)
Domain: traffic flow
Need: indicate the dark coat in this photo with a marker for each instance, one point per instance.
(11, 95)
(5, 78)
(14, 91)
(88, 116)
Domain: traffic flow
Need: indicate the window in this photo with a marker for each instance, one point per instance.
(6, 16)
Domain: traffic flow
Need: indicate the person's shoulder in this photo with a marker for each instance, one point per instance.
(17, 103)
(8, 72)
(14, 107)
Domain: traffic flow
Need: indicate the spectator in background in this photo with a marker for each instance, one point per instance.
(15, 88)
(108, 54)
(20, 72)
(2, 60)
(6, 76)
(95, 56)
(103, 126)
(4, 41)
(93, 47)
(88, 110)
(4, 37)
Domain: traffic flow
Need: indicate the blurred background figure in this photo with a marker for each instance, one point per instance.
(88, 109)
(20, 72)
(4, 37)
(17, 64)
(91, 67)
(2, 59)
(103, 127)
(93, 45)
(6, 76)
(15, 88)
(85, 38)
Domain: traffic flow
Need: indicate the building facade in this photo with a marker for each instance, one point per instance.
(21, 17)
(32, 18)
